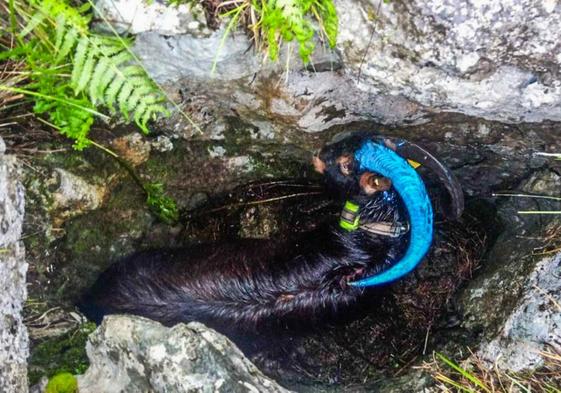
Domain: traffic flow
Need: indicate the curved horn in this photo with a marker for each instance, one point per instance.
(416, 153)
(378, 158)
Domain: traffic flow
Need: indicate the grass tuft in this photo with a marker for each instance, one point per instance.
(475, 375)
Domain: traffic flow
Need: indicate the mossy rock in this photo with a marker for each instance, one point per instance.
(61, 355)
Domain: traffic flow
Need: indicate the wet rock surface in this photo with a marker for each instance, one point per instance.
(512, 259)
(14, 346)
(512, 306)
(72, 195)
(136, 354)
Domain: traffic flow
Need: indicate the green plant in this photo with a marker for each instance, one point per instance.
(63, 354)
(62, 383)
(162, 205)
(474, 375)
(69, 72)
(274, 22)
(289, 20)
(73, 71)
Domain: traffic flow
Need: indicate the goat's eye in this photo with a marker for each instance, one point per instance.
(346, 164)
(370, 183)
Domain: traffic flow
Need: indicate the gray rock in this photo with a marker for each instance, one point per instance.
(306, 100)
(73, 195)
(259, 90)
(162, 144)
(14, 347)
(136, 354)
(498, 60)
(197, 200)
(176, 57)
(495, 60)
(135, 16)
(535, 322)
(514, 300)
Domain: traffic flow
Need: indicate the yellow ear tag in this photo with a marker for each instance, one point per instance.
(414, 164)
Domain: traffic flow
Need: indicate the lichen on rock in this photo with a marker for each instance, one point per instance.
(135, 354)
(485, 58)
(534, 324)
(73, 195)
(14, 346)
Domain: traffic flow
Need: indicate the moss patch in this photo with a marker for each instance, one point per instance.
(62, 383)
(64, 354)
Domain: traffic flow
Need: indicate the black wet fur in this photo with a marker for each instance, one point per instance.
(241, 285)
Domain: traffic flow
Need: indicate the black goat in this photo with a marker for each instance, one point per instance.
(252, 284)
(247, 284)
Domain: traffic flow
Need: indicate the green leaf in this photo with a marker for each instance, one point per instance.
(87, 73)
(466, 374)
(69, 41)
(79, 61)
(124, 95)
(102, 72)
(60, 30)
(36, 19)
(100, 80)
(162, 205)
(113, 90)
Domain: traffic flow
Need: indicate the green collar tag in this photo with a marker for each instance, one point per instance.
(350, 218)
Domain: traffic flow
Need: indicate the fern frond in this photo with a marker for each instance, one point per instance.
(87, 73)
(142, 91)
(60, 30)
(67, 44)
(103, 72)
(106, 72)
(121, 59)
(100, 80)
(123, 98)
(142, 116)
(329, 20)
(35, 20)
(113, 90)
(80, 55)
(133, 71)
(273, 22)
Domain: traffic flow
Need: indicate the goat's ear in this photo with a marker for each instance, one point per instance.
(319, 165)
(346, 164)
(371, 183)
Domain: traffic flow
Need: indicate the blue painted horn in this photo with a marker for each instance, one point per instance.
(376, 157)
(391, 158)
